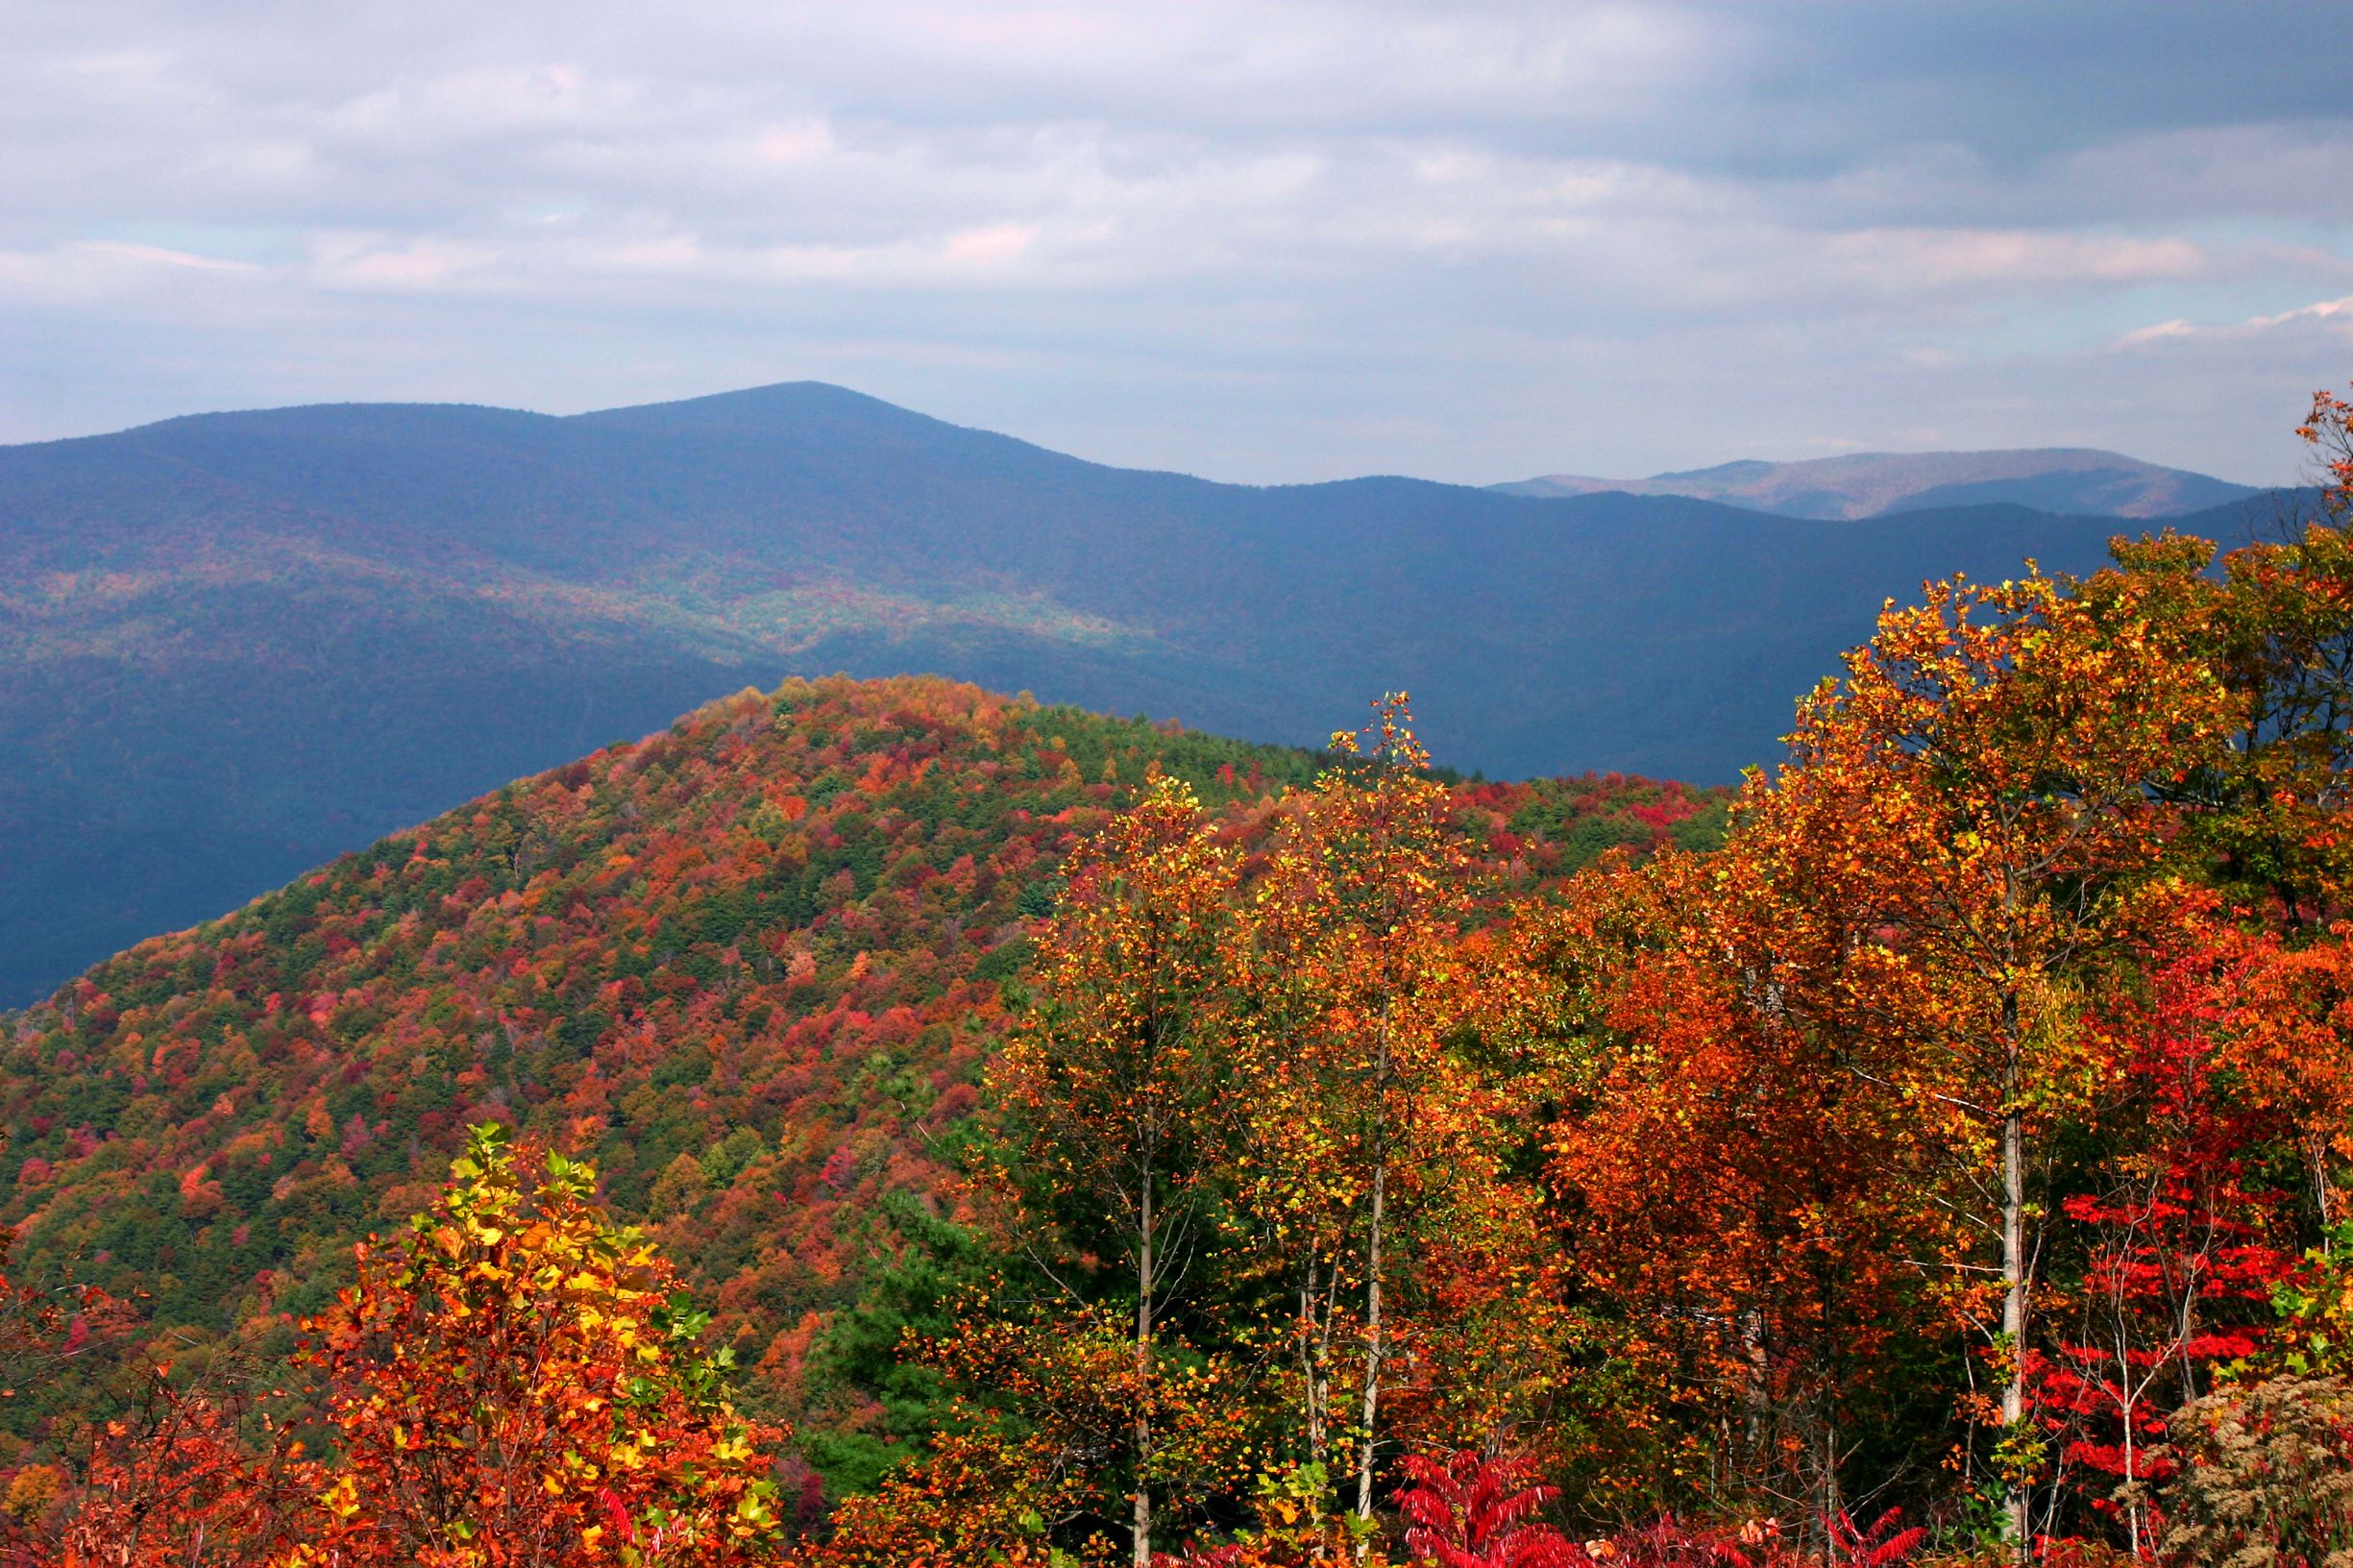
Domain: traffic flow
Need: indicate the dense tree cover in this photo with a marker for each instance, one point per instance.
(751, 968)
(1964, 1140)
(1942, 1123)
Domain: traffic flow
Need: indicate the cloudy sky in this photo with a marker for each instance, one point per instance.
(1260, 240)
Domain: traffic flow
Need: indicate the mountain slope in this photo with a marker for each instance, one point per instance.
(237, 645)
(751, 965)
(1876, 483)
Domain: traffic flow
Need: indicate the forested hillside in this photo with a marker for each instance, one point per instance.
(239, 644)
(752, 968)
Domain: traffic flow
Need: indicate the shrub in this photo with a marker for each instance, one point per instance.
(2265, 1478)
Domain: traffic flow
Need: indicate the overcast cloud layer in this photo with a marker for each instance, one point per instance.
(1260, 240)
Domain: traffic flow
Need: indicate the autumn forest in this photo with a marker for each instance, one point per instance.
(883, 1123)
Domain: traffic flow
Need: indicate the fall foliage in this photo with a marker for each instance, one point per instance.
(1110, 1145)
(513, 1381)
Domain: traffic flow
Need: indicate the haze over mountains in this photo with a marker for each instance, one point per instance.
(239, 644)
(1876, 483)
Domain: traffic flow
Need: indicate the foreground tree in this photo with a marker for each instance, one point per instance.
(1367, 1134)
(1977, 794)
(2265, 1476)
(192, 1476)
(1113, 1102)
(516, 1380)
(1237, 1138)
(2275, 625)
(183, 1470)
(1733, 1187)
(2171, 1233)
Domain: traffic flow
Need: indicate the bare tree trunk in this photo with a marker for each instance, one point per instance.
(2132, 1477)
(1313, 1340)
(1756, 1397)
(1833, 1508)
(1142, 1523)
(1372, 1341)
(1372, 1346)
(2014, 1293)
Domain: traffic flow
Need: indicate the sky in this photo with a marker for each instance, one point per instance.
(1265, 241)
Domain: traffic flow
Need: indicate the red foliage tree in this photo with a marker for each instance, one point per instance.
(2180, 1260)
(192, 1477)
(1470, 1511)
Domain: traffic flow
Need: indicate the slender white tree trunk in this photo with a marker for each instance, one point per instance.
(1141, 1521)
(2014, 1298)
(1314, 1340)
(1373, 1347)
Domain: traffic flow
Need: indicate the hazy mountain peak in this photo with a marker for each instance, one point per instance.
(779, 402)
(2060, 479)
(1738, 470)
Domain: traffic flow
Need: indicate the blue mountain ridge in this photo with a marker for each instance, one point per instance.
(235, 645)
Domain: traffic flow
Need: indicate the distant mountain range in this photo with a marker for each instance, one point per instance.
(1862, 485)
(235, 645)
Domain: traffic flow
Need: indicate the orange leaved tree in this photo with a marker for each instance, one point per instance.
(1980, 798)
(1366, 1131)
(193, 1474)
(1730, 1181)
(516, 1381)
(1111, 1098)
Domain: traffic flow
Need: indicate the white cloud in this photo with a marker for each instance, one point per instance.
(158, 256)
(95, 272)
(1289, 238)
(2175, 327)
(2336, 313)
(2331, 317)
